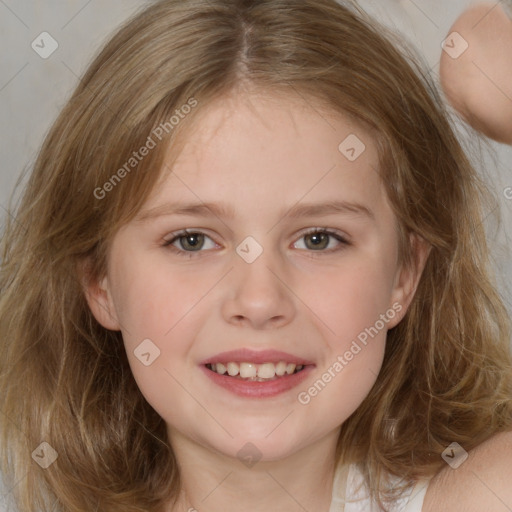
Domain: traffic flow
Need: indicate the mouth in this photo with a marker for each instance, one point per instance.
(257, 374)
(252, 372)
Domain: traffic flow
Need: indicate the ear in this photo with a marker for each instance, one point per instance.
(407, 277)
(99, 299)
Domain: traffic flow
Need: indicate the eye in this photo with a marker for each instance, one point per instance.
(318, 239)
(188, 242)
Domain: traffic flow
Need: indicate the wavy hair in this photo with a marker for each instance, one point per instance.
(65, 380)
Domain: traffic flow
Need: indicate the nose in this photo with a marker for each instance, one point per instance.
(257, 294)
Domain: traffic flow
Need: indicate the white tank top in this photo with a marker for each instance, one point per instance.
(349, 494)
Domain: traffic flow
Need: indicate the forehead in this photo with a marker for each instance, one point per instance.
(263, 148)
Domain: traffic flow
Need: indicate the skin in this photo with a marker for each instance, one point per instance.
(481, 483)
(478, 83)
(260, 154)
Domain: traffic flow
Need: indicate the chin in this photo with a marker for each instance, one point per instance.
(259, 446)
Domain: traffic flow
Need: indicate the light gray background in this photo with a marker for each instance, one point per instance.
(33, 90)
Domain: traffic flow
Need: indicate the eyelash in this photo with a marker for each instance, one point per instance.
(191, 254)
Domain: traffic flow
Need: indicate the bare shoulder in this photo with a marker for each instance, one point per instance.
(483, 482)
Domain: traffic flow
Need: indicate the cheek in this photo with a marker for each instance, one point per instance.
(344, 381)
(154, 322)
(359, 373)
(159, 314)
(353, 304)
(151, 301)
(349, 300)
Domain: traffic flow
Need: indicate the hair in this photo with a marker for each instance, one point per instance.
(65, 380)
(507, 7)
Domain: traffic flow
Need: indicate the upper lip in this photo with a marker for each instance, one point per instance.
(245, 355)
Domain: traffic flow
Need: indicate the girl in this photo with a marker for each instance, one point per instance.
(249, 271)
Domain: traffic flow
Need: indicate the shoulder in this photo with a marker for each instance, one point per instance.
(483, 482)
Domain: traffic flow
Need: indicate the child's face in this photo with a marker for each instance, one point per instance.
(259, 157)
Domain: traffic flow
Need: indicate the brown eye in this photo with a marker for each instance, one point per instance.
(188, 242)
(193, 241)
(318, 240)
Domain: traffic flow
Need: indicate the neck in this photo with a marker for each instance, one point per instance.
(214, 482)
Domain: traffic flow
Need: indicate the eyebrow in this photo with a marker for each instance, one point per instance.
(220, 210)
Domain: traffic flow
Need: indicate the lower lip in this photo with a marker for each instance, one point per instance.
(255, 389)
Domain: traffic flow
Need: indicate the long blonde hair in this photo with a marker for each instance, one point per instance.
(65, 380)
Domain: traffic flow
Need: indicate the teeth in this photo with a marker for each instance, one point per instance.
(290, 368)
(233, 369)
(265, 371)
(248, 370)
(280, 368)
